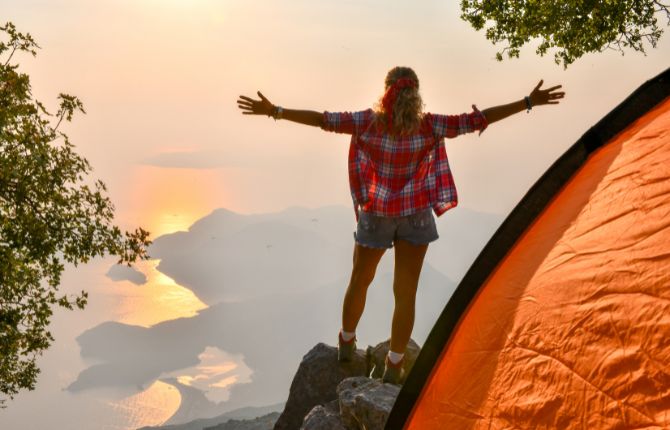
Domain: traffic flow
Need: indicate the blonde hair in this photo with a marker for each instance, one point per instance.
(407, 110)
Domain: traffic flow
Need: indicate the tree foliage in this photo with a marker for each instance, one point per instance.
(48, 215)
(575, 27)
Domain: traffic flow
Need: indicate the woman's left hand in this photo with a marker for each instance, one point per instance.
(250, 106)
(545, 97)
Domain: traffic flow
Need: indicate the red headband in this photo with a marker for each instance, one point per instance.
(388, 101)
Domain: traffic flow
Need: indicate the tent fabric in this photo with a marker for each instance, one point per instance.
(570, 326)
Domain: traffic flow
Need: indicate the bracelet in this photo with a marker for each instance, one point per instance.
(529, 105)
(277, 113)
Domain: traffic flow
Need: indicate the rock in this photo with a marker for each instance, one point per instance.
(315, 383)
(346, 391)
(366, 403)
(377, 354)
(328, 395)
(326, 417)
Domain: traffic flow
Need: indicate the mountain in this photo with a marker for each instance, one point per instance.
(230, 257)
(227, 256)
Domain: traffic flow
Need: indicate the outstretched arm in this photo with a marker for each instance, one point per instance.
(263, 106)
(537, 97)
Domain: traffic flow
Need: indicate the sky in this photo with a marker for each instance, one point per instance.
(159, 80)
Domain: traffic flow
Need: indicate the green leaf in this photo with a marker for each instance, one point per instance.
(572, 27)
(48, 215)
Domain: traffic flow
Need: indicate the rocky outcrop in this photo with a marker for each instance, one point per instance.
(365, 403)
(315, 382)
(328, 395)
(325, 417)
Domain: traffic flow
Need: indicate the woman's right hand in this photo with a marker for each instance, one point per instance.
(250, 106)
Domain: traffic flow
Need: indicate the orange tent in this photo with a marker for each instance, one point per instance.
(563, 321)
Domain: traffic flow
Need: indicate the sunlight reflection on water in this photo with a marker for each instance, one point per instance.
(152, 406)
(160, 299)
(215, 374)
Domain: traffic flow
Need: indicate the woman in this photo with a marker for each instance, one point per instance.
(398, 175)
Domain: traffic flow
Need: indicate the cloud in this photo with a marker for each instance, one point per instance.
(119, 272)
(191, 160)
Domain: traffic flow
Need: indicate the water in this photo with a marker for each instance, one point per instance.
(49, 406)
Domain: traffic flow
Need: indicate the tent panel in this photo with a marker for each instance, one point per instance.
(572, 328)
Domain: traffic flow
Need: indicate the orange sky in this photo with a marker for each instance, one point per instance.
(159, 80)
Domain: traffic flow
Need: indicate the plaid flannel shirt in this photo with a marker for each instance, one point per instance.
(401, 175)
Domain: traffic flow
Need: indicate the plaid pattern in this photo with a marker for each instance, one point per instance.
(401, 175)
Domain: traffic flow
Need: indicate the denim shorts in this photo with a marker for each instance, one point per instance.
(376, 231)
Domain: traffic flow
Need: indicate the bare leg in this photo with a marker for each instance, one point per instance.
(408, 264)
(362, 274)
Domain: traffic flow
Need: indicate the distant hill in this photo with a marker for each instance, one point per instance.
(227, 256)
(245, 413)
